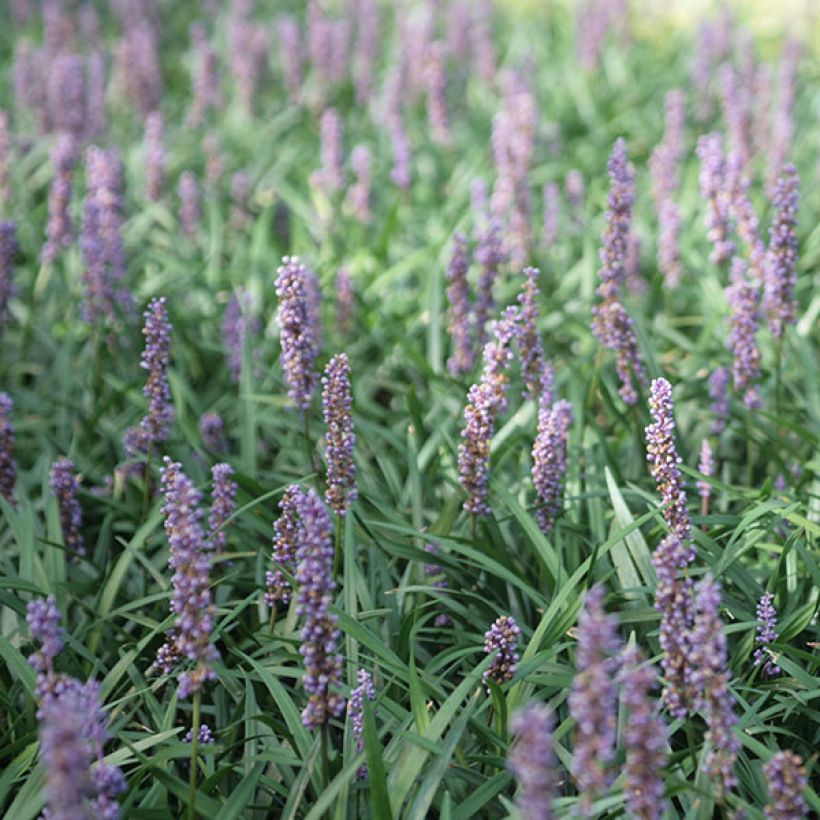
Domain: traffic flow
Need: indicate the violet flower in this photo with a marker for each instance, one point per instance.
(188, 192)
(718, 393)
(358, 195)
(709, 678)
(766, 634)
(204, 735)
(65, 485)
(43, 619)
(593, 698)
(355, 711)
(549, 460)
(552, 214)
(435, 81)
(779, 303)
(223, 505)
(402, 171)
(489, 254)
(501, 637)
(340, 439)
(191, 602)
(783, 125)
(616, 332)
(786, 779)
(286, 539)
(237, 324)
(8, 250)
(247, 56)
(59, 228)
(712, 189)
(155, 427)
(6, 159)
(743, 296)
(644, 738)
(137, 63)
(532, 761)
(345, 299)
(669, 261)
(206, 96)
(297, 290)
(529, 340)
(459, 324)
(436, 571)
(706, 465)
(8, 466)
(575, 189)
(331, 175)
(212, 430)
(67, 95)
(154, 156)
(664, 461)
(290, 53)
(320, 634)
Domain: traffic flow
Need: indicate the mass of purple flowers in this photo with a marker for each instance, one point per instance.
(549, 460)
(766, 634)
(779, 302)
(8, 465)
(355, 710)
(340, 439)
(223, 505)
(786, 778)
(286, 539)
(460, 309)
(65, 486)
(502, 638)
(532, 761)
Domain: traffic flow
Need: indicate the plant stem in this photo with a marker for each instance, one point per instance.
(778, 347)
(337, 555)
(308, 448)
(325, 758)
(146, 486)
(272, 618)
(194, 751)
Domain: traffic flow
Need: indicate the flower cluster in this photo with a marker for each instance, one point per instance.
(459, 315)
(8, 250)
(532, 761)
(154, 156)
(297, 290)
(712, 189)
(286, 539)
(743, 296)
(8, 466)
(345, 299)
(529, 341)
(358, 195)
(314, 577)
(59, 226)
(212, 430)
(340, 438)
(719, 394)
(502, 636)
(331, 176)
(355, 710)
(709, 679)
(43, 619)
(489, 254)
(786, 778)
(204, 735)
(435, 81)
(779, 302)
(65, 486)
(223, 505)
(433, 570)
(766, 634)
(549, 459)
(552, 214)
(644, 737)
(188, 193)
(706, 465)
(156, 425)
(191, 601)
(238, 325)
(664, 461)
(593, 697)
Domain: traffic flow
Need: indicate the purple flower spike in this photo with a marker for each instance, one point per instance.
(489, 255)
(436, 571)
(664, 461)
(237, 324)
(191, 601)
(223, 505)
(59, 229)
(340, 439)
(593, 698)
(290, 52)
(43, 619)
(766, 634)
(212, 430)
(644, 738)
(297, 290)
(779, 303)
(435, 81)
(355, 711)
(552, 214)
(154, 156)
(712, 189)
(8, 466)
(345, 299)
(188, 192)
(616, 332)
(137, 63)
(529, 341)
(718, 393)
(8, 250)
(668, 251)
(618, 222)
(503, 637)
(786, 778)
(532, 761)
(286, 539)
(204, 734)
(5, 158)
(459, 326)
(155, 427)
(549, 460)
(358, 195)
(320, 634)
(206, 94)
(402, 172)
(331, 176)
(707, 467)
(709, 678)
(743, 296)
(65, 486)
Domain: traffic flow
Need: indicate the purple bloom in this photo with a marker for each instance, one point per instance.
(616, 332)
(355, 710)
(668, 251)
(664, 461)
(779, 303)
(156, 425)
(43, 619)
(247, 57)
(593, 698)
(709, 678)
(713, 190)
(435, 81)
(576, 192)
(214, 161)
(644, 737)
(8, 466)
(736, 113)
(367, 50)
(786, 778)
(212, 430)
(345, 299)
(744, 215)
(154, 156)
(664, 164)
(331, 175)
(552, 214)
(191, 601)
(433, 570)
(223, 505)
(501, 637)
(65, 485)
(707, 467)
(459, 326)
(529, 342)
(635, 283)
(137, 60)
(237, 324)
(402, 172)
(5, 158)
(532, 761)
(290, 53)
(314, 576)
(783, 125)
(718, 393)
(489, 254)
(297, 290)
(766, 634)
(743, 296)
(549, 459)
(188, 192)
(286, 539)
(8, 250)
(59, 227)
(358, 195)
(206, 94)
(340, 439)
(240, 193)
(204, 735)
(66, 93)
(673, 599)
